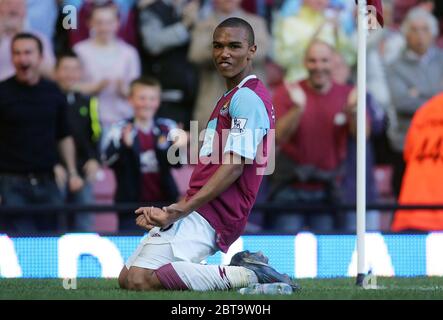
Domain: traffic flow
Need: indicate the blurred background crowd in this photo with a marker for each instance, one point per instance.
(132, 70)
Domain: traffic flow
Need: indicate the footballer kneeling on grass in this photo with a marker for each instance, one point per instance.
(221, 193)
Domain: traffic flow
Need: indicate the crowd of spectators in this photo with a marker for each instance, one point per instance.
(106, 94)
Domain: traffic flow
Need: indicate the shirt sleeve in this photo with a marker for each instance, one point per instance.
(250, 123)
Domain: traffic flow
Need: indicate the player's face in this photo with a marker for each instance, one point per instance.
(145, 100)
(318, 62)
(104, 24)
(26, 58)
(68, 73)
(231, 52)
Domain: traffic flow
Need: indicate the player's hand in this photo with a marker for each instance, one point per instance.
(157, 217)
(142, 223)
(162, 218)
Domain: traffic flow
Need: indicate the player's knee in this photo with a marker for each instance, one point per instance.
(141, 280)
(122, 278)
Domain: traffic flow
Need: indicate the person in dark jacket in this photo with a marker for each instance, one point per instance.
(83, 122)
(137, 150)
(165, 28)
(33, 135)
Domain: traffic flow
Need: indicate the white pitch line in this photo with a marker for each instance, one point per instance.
(382, 287)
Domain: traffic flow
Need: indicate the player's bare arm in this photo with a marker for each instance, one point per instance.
(226, 174)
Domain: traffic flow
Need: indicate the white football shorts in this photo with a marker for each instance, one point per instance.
(190, 239)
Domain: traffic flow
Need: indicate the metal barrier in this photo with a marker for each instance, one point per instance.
(69, 208)
(268, 209)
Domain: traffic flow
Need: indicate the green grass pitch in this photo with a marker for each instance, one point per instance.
(312, 289)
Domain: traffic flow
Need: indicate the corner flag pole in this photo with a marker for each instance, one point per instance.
(361, 140)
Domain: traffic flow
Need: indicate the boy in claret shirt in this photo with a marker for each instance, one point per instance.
(136, 149)
(222, 189)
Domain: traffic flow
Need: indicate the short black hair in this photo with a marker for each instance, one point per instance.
(144, 81)
(28, 36)
(63, 55)
(236, 22)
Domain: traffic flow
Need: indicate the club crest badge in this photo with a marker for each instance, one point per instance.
(225, 109)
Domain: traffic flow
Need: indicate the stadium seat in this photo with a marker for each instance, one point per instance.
(105, 187)
(103, 190)
(182, 177)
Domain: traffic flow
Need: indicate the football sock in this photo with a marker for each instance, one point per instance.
(198, 277)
